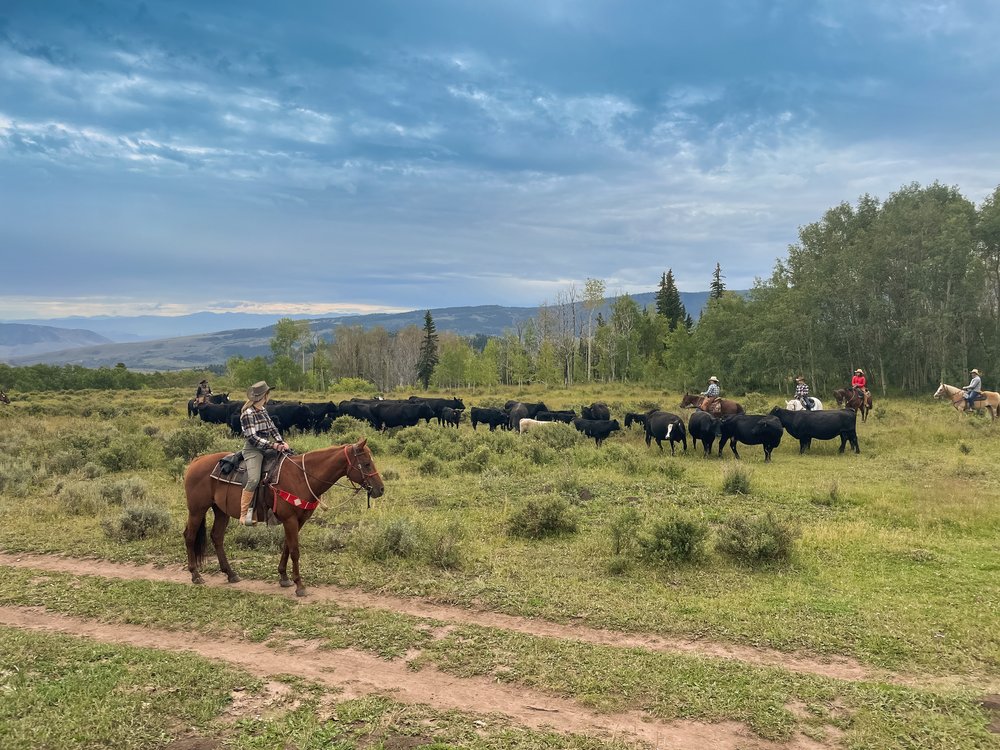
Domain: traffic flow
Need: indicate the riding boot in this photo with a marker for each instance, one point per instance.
(246, 509)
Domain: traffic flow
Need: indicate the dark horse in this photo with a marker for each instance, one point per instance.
(306, 476)
(3, 398)
(848, 398)
(722, 407)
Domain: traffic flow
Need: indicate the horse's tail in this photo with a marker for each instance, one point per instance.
(200, 543)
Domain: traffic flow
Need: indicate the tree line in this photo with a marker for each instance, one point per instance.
(907, 289)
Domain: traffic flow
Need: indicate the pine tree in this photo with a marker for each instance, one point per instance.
(668, 301)
(717, 287)
(428, 352)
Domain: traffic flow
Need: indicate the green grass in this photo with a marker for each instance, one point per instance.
(896, 566)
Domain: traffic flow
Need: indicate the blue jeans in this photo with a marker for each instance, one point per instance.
(971, 398)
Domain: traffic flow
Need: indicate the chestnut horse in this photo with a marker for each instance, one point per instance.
(957, 398)
(723, 406)
(306, 476)
(848, 398)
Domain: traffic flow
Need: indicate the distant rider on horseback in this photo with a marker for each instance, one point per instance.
(802, 393)
(203, 394)
(860, 385)
(711, 396)
(973, 389)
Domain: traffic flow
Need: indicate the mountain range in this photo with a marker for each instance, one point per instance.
(88, 348)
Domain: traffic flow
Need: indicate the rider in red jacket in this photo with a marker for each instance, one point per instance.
(860, 384)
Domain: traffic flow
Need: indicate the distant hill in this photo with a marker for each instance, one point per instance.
(205, 350)
(21, 339)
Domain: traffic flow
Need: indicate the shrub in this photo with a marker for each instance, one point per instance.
(137, 522)
(92, 470)
(624, 531)
(398, 537)
(124, 453)
(82, 499)
(445, 545)
(476, 461)
(757, 539)
(267, 539)
(65, 461)
(678, 537)
(432, 466)
(16, 477)
(619, 565)
(558, 437)
(124, 491)
(736, 480)
(540, 517)
(188, 442)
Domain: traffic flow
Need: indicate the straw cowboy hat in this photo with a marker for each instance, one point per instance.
(713, 379)
(859, 371)
(798, 378)
(974, 370)
(257, 391)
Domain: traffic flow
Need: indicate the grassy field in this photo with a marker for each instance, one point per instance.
(892, 559)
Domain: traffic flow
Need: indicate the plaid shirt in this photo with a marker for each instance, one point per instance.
(801, 390)
(713, 390)
(258, 427)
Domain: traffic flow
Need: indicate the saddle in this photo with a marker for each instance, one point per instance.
(712, 405)
(232, 469)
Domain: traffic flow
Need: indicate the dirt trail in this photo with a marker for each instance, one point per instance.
(357, 674)
(838, 667)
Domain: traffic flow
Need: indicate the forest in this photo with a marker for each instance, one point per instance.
(907, 289)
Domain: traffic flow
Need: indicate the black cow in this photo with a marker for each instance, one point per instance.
(633, 418)
(360, 410)
(564, 415)
(599, 429)
(533, 408)
(597, 410)
(291, 414)
(319, 410)
(704, 427)
(450, 416)
(806, 426)
(401, 414)
(484, 415)
(439, 404)
(662, 425)
(518, 410)
(218, 413)
(324, 424)
(751, 429)
(222, 398)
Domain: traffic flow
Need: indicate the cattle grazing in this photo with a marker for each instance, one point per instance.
(438, 405)
(451, 416)
(632, 418)
(291, 415)
(528, 424)
(662, 425)
(319, 410)
(360, 410)
(566, 416)
(485, 415)
(390, 414)
(323, 425)
(221, 398)
(806, 426)
(704, 427)
(751, 429)
(597, 410)
(218, 413)
(523, 409)
(599, 429)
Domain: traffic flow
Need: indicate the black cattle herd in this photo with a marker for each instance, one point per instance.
(520, 416)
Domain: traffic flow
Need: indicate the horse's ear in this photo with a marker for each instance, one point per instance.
(362, 442)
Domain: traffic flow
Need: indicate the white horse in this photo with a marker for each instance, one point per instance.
(957, 398)
(796, 405)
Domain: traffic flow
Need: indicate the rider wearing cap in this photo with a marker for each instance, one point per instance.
(972, 390)
(711, 394)
(860, 384)
(260, 433)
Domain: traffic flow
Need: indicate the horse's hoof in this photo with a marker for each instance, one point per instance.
(300, 592)
(285, 583)
(234, 578)
(198, 581)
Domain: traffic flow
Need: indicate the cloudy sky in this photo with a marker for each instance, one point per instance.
(335, 157)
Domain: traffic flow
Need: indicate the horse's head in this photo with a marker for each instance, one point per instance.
(690, 399)
(941, 391)
(361, 469)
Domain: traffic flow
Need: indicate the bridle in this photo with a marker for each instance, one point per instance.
(365, 479)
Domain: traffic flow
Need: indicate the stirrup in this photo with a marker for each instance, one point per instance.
(248, 519)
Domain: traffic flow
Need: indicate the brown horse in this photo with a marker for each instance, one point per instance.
(306, 476)
(722, 406)
(848, 398)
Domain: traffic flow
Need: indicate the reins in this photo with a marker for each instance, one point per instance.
(357, 487)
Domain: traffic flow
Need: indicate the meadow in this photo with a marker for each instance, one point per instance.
(822, 600)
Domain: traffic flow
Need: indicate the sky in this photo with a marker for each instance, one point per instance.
(329, 158)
